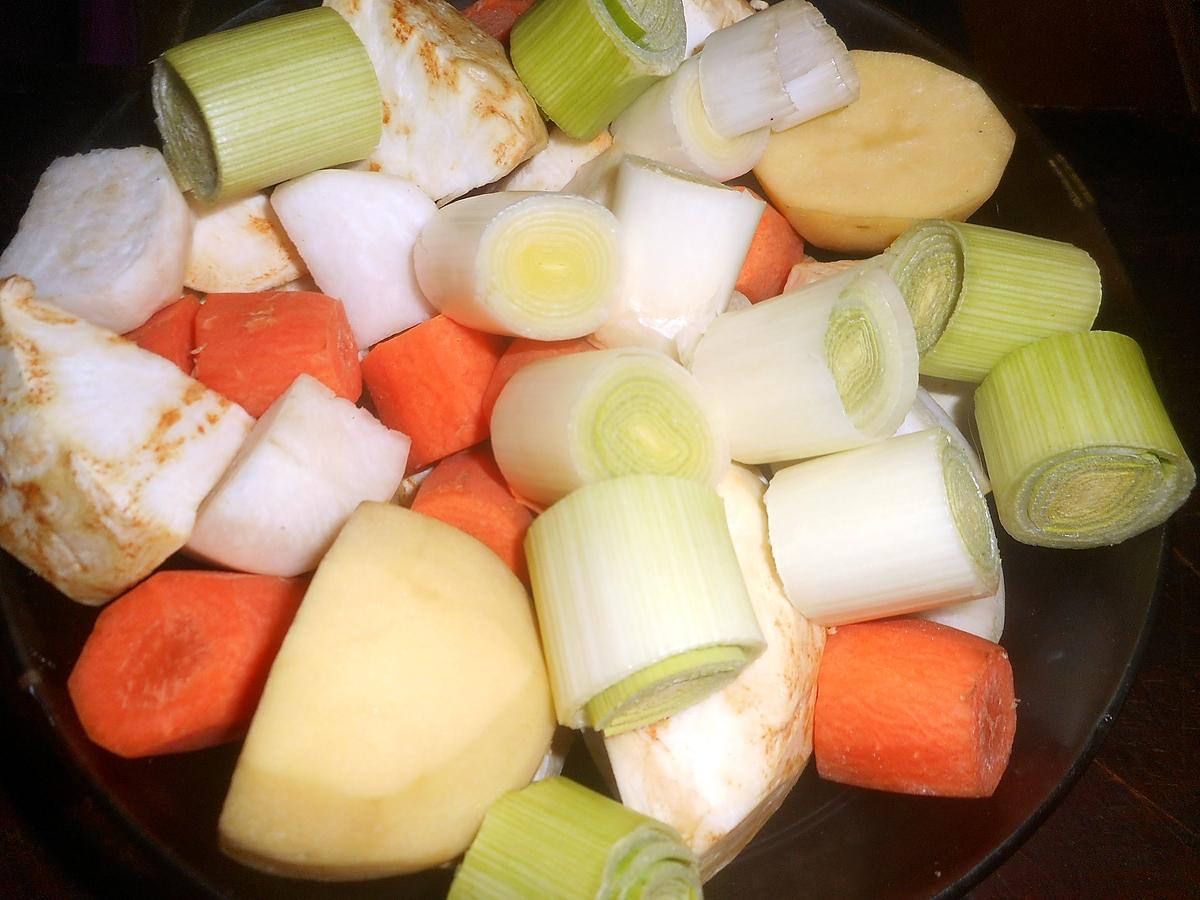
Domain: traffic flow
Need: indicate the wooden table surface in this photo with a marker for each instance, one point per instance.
(1117, 97)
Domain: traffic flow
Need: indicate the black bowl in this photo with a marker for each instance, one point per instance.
(1077, 622)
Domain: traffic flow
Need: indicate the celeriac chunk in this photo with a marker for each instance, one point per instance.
(239, 246)
(106, 449)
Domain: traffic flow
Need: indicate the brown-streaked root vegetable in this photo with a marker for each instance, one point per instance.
(239, 245)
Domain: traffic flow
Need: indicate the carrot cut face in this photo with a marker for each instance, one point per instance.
(521, 353)
(497, 17)
(773, 251)
(466, 490)
(169, 332)
(914, 707)
(179, 662)
(251, 347)
(428, 382)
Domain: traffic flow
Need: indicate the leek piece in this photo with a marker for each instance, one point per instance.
(522, 263)
(1079, 447)
(584, 61)
(668, 124)
(983, 617)
(780, 67)
(978, 293)
(571, 420)
(683, 242)
(825, 368)
(557, 840)
(891, 528)
(253, 106)
(928, 413)
(636, 577)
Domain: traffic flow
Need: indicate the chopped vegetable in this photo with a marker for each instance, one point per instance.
(246, 108)
(640, 600)
(774, 252)
(240, 246)
(428, 383)
(496, 17)
(927, 413)
(179, 662)
(105, 237)
(914, 707)
(808, 270)
(983, 617)
(519, 354)
(556, 840)
(169, 332)
(1078, 444)
(554, 165)
(467, 491)
(573, 420)
(703, 17)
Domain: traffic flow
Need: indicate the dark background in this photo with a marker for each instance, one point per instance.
(1115, 86)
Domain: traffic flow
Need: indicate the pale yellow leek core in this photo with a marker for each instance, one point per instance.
(852, 349)
(970, 513)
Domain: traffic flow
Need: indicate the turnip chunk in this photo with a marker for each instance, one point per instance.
(719, 769)
(106, 449)
(310, 460)
(105, 237)
(356, 232)
(240, 246)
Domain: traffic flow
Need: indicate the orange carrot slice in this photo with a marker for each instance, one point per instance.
(774, 249)
(467, 491)
(496, 17)
(428, 383)
(521, 353)
(178, 663)
(169, 332)
(915, 707)
(251, 347)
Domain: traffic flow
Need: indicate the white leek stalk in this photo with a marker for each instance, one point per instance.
(243, 109)
(597, 178)
(780, 67)
(683, 242)
(978, 293)
(718, 770)
(983, 617)
(584, 61)
(826, 368)
(571, 420)
(891, 528)
(927, 413)
(1078, 444)
(529, 264)
(668, 124)
(557, 840)
(640, 600)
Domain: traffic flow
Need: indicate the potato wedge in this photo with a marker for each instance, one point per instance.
(921, 142)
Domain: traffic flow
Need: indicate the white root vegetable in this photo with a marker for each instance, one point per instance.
(356, 232)
(239, 246)
(983, 617)
(552, 167)
(703, 17)
(310, 460)
(105, 237)
(106, 449)
(718, 770)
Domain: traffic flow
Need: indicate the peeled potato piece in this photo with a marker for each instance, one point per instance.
(921, 142)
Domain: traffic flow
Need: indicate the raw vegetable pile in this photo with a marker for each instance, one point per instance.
(488, 433)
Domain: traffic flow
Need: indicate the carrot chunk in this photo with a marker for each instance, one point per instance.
(915, 707)
(496, 17)
(774, 249)
(521, 353)
(169, 332)
(428, 383)
(178, 663)
(467, 491)
(251, 347)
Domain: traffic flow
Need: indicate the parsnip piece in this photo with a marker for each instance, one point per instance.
(310, 460)
(921, 142)
(239, 246)
(552, 167)
(356, 232)
(409, 694)
(105, 237)
(106, 449)
(703, 17)
(455, 115)
(718, 770)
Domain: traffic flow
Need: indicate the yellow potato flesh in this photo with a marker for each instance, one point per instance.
(921, 142)
(409, 694)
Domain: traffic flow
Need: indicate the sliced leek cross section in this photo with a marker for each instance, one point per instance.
(1079, 447)
(524, 263)
(558, 840)
(640, 601)
(243, 109)
(978, 293)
